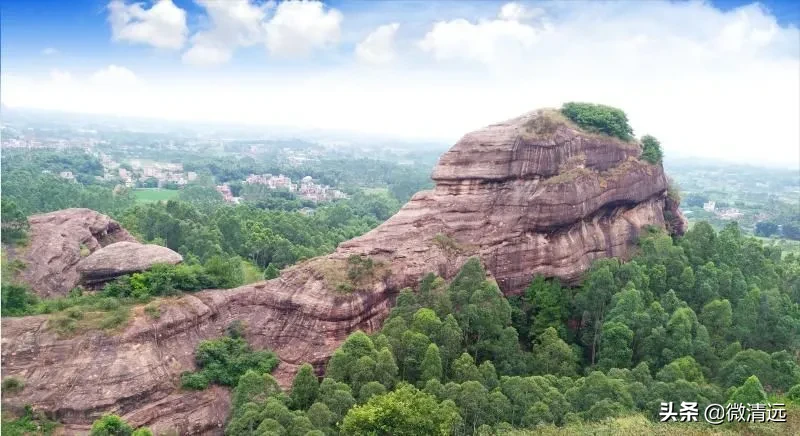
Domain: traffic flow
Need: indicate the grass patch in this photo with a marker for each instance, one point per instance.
(251, 272)
(107, 314)
(356, 273)
(603, 178)
(149, 195)
(12, 385)
(153, 310)
(547, 122)
(30, 423)
(637, 424)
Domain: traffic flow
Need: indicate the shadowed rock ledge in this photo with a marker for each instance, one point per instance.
(532, 195)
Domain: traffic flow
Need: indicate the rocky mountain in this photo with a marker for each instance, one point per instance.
(532, 195)
(78, 246)
(61, 239)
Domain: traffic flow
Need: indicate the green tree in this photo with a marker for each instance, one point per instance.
(405, 411)
(369, 390)
(464, 369)
(14, 223)
(615, 346)
(751, 392)
(321, 416)
(271, 272)
(431, 367)
(253, 387)
(386, 368)
(651, 149)
(593, 300)
(551, 355)
(111, 425)
(305, 388)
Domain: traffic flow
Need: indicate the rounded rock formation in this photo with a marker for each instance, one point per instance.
(122, 258)
(58, 241)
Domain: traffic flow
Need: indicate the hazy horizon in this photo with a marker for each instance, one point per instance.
(715, 80)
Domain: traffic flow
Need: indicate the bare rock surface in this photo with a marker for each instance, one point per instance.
(122, 258)
(532, 195)
(56, 242)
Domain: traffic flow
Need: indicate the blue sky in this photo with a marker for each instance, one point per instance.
(417, 69)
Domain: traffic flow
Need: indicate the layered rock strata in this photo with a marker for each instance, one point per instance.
(532, 195)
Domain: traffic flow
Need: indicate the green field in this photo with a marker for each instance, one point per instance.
(145, 195)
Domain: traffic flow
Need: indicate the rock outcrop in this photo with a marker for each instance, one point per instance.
(532, 195)
(122, 258)
(58, 241)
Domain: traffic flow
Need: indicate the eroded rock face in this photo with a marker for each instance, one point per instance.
(532, 195)
(122, 258)
(56, 241)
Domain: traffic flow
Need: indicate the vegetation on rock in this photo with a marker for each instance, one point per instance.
(224, 360)
(598, 118)
(681, 320)
(651, 149)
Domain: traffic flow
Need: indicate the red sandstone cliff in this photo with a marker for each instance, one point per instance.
(532, 195)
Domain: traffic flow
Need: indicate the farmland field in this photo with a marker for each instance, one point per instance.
(149, 195)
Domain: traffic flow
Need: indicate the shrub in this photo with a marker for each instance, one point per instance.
(16, 300)
(12, 385)
(794, 394)
(111, 425)
(651, 149)
(224, 360)
(599, 118)
(194, 380)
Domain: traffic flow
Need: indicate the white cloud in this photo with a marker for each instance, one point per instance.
(49, 51)
(292, 28)
(299, 27)
(708, 83)
(518, 12)
(378, 46)
(113, 76)
(485, 41)
(162, 26)
(60, 77)
(233, 24)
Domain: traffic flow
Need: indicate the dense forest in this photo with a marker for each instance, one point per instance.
(712, 317)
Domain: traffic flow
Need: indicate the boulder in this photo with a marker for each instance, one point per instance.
(122, 258)
(58, 241)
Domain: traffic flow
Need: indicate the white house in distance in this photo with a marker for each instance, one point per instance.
(709, 207)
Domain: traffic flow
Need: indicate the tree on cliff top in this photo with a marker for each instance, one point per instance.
(651, 149)
(599, 118)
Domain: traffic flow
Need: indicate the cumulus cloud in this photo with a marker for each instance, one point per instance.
(233, 24)
(378, 46)
(291, 28)
(161, 26)
(487, 40)
(299, 27)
